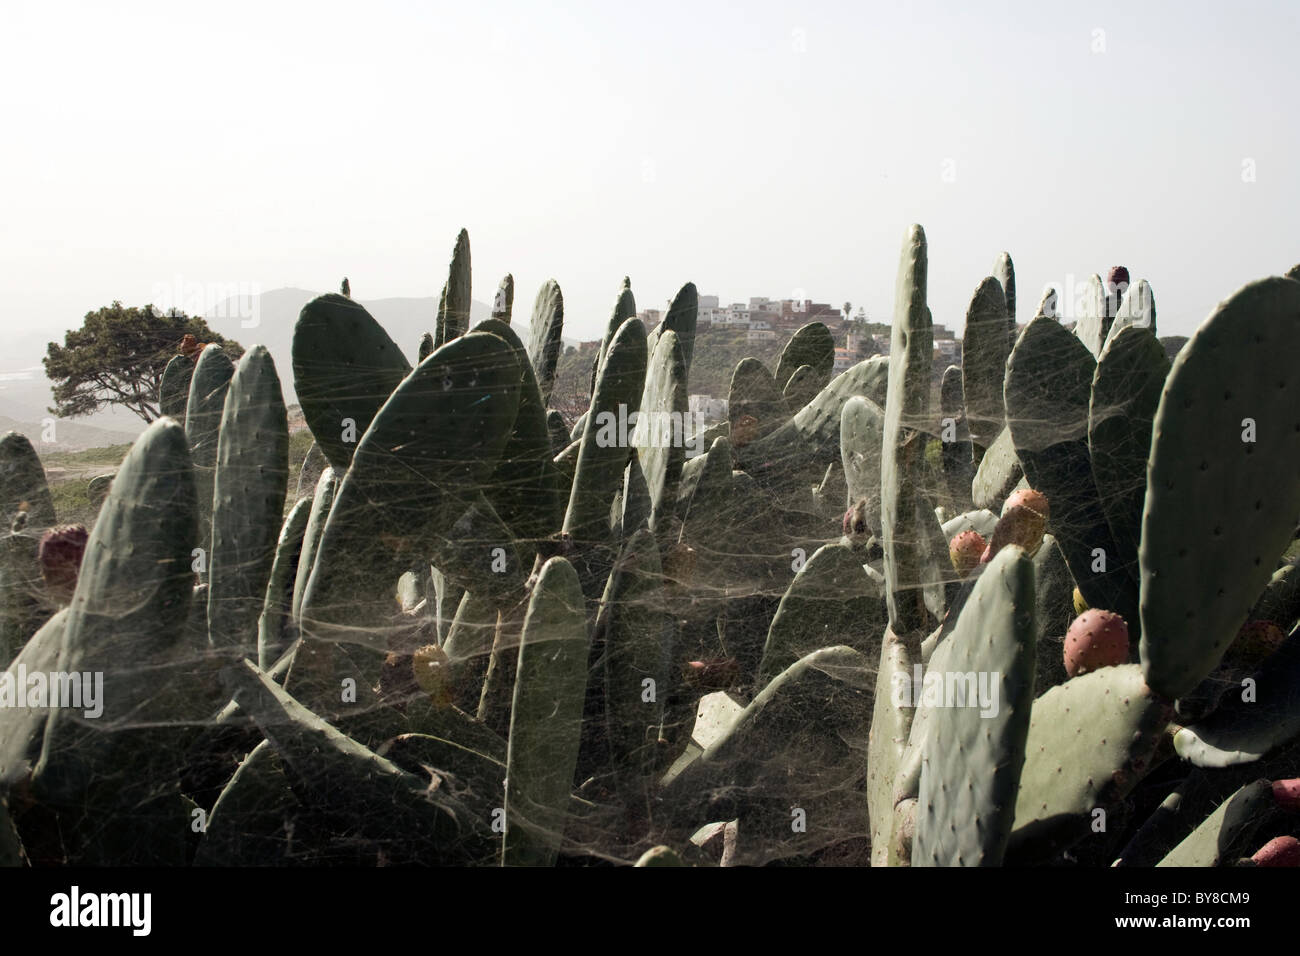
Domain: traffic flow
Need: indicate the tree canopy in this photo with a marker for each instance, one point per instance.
(117, 357)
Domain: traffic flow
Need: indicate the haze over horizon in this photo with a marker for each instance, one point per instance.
(778, 151)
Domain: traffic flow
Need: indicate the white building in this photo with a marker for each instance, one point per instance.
(713, 409)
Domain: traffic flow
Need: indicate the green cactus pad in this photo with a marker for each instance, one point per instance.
(1137, 310)
(811, 345)
(799, 745)
(891, 724)
(1093, 323)
(1053, 611)
(907, 409)
(545, 336)
(504, 302)
(603, 455)
(1005, 272)
(1219, 508)
(1048, 388)
(1126, 390)
(1229, 832)
(322, 501)
(24, 602)
(831, 602)
(525, 487)
(970, 768)
(707, 476)
(251, 480)
(412, 818)
(127, 621)
(624, 309)
(251, 820)
(413, 478)
(681, 318)
(174, 387)
(207, 400)
(1090, 741)
(660, 435)
(1244, 730)
(545, 717)
(802, 387)
(22, 729)
(798, 452)
(985, 348)
(956, 453)
(274, 631)
(862, 429)
(454, 308)
(344, 368)
(638, 639)
(754, 392)
(998, 474)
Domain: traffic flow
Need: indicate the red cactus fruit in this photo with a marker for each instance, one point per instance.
(1254, 642)
(855, 524)
(190, 347)
(1287, 793)
(1096, 639)
(965, 550)
(1028, 498)
(1020, 525)
(60, 553)
(1279, 851)
(1117, 280)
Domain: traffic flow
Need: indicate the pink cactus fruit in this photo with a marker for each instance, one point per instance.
(1096, 639)
(1279, 851)
(60, 553)
(965, 551)
(1254, 642)
(1028, 498)
(1019, 525)
(1287, 794)
(1117, 280)
(855, 525)
(1116, 287)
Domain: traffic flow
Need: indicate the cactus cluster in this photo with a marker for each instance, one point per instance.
(474, 635)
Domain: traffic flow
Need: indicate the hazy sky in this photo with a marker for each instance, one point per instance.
(755, 149)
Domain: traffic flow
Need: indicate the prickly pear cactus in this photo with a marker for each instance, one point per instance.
(1226, 447)
(975, 746)
(546, 717)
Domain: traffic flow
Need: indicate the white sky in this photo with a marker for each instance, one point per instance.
(755, 149)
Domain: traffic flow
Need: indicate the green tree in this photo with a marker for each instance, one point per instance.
(117, 357)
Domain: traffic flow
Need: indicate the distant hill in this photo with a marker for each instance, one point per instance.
(69, 435)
